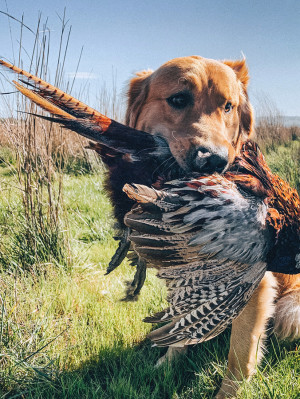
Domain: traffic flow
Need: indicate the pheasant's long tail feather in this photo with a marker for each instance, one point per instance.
(79, 117)
(56, 96)
(41, 102)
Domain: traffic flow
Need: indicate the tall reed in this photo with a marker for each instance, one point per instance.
(40, 228)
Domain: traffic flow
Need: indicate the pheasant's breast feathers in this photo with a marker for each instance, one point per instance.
(252, 173)
(286, 201)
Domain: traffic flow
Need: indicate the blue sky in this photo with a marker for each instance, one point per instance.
(127, 36)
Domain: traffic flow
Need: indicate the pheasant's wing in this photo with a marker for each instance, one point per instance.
(79, 117)
(205, 297)
(209, 242)
(208, 216)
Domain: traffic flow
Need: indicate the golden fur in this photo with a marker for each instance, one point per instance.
(204, 123)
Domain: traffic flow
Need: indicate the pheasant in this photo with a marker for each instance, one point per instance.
(211, 237)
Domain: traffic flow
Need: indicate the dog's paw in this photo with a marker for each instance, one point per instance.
(162, 360)
(172, 354)
(228, 389)
(223, 395)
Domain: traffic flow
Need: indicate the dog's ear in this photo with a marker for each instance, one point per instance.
(137, 94)
(241, 70)
(247, 118)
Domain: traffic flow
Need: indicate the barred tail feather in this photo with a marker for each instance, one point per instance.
(86, 121)
(41, 102)
(57, 96)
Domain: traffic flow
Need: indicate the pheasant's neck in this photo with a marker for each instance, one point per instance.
(286, 200)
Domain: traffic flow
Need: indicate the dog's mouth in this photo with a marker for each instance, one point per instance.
(199, 160)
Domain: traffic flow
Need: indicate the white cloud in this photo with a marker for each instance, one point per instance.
(82, 75)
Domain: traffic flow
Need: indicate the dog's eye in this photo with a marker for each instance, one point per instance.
(180, 100)
(228, 107)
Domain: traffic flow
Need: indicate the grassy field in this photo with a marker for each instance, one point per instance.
(64, 333)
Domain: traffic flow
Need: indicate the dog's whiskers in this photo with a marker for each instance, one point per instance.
(153, 148)
(162, 163)
(173, 135)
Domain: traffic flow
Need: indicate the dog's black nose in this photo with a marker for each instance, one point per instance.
(208, 161)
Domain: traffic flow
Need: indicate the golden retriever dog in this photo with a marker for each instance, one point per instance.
(201, 107)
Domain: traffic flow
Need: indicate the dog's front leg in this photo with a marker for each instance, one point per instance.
(247, 336)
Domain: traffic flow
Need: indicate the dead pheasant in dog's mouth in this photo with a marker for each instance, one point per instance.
(212, 237)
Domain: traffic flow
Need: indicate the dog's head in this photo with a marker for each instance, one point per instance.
(199, 106)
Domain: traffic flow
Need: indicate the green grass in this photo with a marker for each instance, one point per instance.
(64, 333)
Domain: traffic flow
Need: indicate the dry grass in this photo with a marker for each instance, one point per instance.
(270, 131)
(270, 135)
